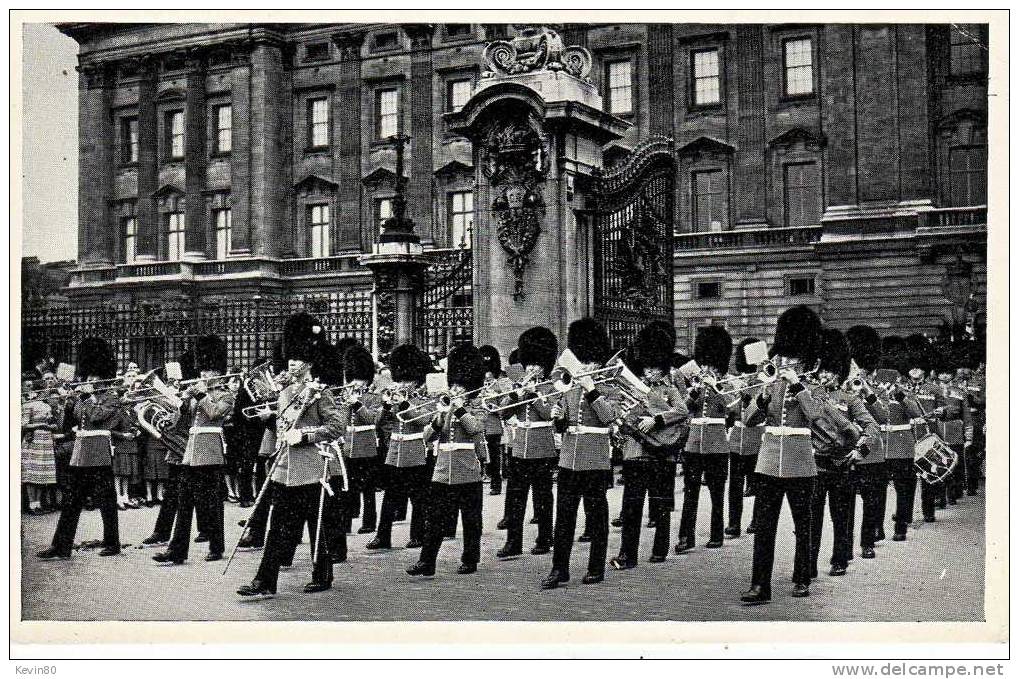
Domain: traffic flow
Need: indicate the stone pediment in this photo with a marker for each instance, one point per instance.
(814, 141)
(453, 168)
(166, 191)
(314, 183)
(706, 146)
(380, 176)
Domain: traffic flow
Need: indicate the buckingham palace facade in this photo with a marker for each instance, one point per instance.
(841, 166)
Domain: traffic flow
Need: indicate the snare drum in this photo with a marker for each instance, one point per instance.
(933, 459)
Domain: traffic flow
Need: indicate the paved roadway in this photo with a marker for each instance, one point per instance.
(937, 574)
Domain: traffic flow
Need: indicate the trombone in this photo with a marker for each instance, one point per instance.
(563, 380)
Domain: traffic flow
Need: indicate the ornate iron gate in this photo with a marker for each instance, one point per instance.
(633, 227)
(448, 302)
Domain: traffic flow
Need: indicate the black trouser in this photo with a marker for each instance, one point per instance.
(199, 492)
(929, 494)
(903, 475)
(259, 518)
(714, 468)
(837, 487)
(362, 473)
(168, 507)
(655, 478)
(956, 481)
(333, 520)
(293, 506)
(405, 483)
(768, 507)
(536, 475)
(448, 500)
(872, 482)
(84, 482)
(495, 460)
(741, 471)
(974, 456)
(246, 473)
(591, 486)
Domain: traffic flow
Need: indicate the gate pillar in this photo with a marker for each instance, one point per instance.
(537, 127)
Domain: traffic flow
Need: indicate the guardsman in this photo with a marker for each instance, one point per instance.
(408, 465)
(785, 464)
(531, 461)
(360, 410)
(899, 442)
(306, 415)
(744, 442)
(199, 489)
(954, 423)
(651, 436)
(870, 476)
(514, 371)
(975, 389)
(584, 415)
(922, 391)
(90, 473)
(707, 448)
(459, 429)
(844, 436)
(495, 382)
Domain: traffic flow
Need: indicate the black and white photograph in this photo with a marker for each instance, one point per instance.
(578, 318)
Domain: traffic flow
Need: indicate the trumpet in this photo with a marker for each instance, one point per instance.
(527, 382)
(267, 409)
(442, 403)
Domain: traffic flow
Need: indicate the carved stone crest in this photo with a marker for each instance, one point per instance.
(536, 48)
(515, 162)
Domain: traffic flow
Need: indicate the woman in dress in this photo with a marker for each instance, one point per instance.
(38, 461)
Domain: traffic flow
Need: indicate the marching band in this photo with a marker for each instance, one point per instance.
(307, 437)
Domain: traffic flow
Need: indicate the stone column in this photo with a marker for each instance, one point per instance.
(96, 231)
(748, 166)
(269, 112)
(419, 196)
(348, 142)
(876, 113)
(838, 115)
(240, 156)
(148, 164)
(661, 88)
(195, 160)
(914, 134)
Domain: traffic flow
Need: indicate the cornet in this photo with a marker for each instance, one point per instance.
(267, 409)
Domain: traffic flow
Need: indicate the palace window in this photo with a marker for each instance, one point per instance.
(459, 30)
(318, 227)
(800, 285)
(709, 290)
(802, 194)
(129, 140)
(318, 123)
(224, 228)
(461, 218)
(968, 49)
(706, 77)
(386, 41)
(457, 94)
(175, 236)
(386, 112)
(619, 86)
(709, 208)
(798, 67)
(968, 167)
(175, 134)
(383, 211)
(223, 116)
(129, 234)
(316, 51)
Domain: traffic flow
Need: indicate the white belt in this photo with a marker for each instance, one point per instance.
(85, 433)
(357, 428)
(536, 424)
(205, 430)
(787, 431)
(707, 420)
(739, 424)
(896, 427)
(396, 436)
(918, 420)
(456, 446)
(584, 429)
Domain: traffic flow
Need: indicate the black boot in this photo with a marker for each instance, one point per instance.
(421, 568)
(755, 596)
(554, 579)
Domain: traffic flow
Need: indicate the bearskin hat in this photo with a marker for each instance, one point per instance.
(188, 369)
(740, 361)
(407, 363)
(798, 334)
(537, 346)
(589, 341)
(465, 367)
(95, 358)
(666, 327)
(918, 351)
(210, 354)
(864, 345)
(493, 361)
(892, 344)
(713, 347)
(358, 364)
(653, 347)
(679, 359)
(514, 357)
(327, 365)
(834, 353)
(303, 336)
